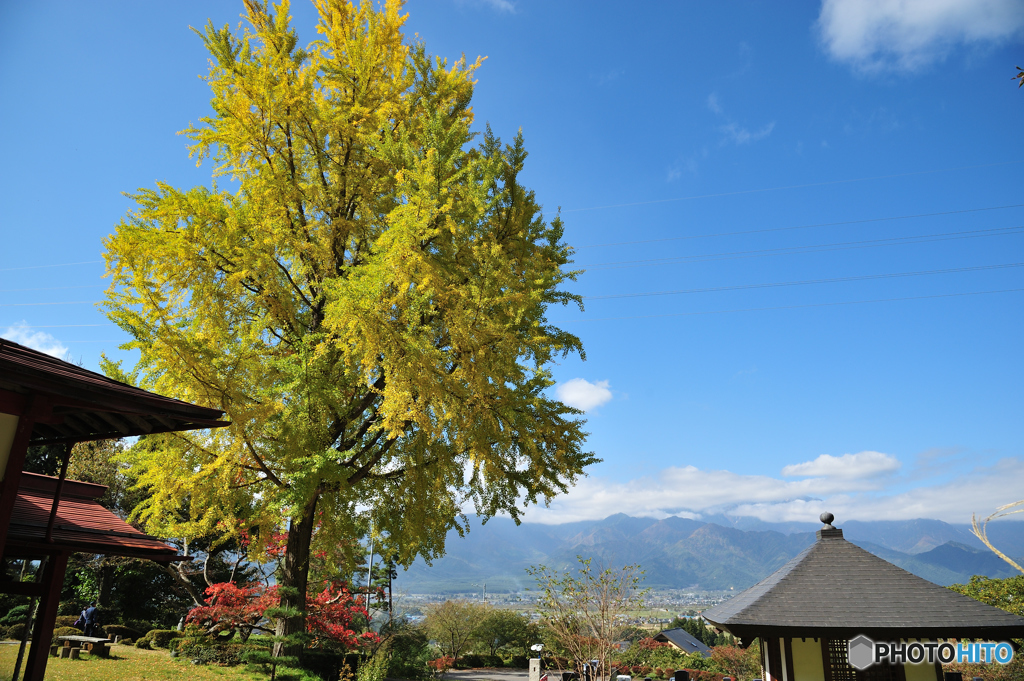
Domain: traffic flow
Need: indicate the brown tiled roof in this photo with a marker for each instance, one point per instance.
(82, 524)
(90, 406)
(835, 589)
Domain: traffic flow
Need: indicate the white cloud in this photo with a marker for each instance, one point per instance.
(852, 466)
(23, 334)
(500, 5)
(907, 34)
(689, 491)
(741, 135)
(713, 103)
(582, 394)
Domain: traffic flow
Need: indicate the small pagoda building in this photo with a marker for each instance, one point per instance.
(44, 519)
(807, 612)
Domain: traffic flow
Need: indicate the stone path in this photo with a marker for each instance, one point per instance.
(487, 675)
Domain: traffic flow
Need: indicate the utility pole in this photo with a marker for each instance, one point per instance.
(484, 585)
(369, 572)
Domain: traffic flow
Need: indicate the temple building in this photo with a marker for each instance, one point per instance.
(43, 519)
(807, 613)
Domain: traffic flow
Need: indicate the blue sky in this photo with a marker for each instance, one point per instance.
(765, 168)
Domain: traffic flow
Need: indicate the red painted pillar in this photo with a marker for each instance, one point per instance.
(42, 633)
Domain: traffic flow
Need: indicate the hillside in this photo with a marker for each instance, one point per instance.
(679, 553)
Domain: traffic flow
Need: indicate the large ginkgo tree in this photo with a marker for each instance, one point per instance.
(364, 295)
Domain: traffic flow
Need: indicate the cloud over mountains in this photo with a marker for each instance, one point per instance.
(864, 486)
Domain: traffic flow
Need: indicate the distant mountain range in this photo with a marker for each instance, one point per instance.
(713, 554)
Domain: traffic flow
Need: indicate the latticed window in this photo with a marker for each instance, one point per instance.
(839, 662)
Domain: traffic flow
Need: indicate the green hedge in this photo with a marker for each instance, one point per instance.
(112, 630)
(65, 631)
(472, 661)
(161, 638)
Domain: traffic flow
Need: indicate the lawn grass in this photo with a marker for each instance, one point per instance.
(127, 663)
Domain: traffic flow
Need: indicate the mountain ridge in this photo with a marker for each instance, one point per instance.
(682, 553)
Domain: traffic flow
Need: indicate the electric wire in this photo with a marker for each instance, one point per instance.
(39, 267)
(811, 248)
(809, 226)
(792, 307)
(792, 186)
(833, 280)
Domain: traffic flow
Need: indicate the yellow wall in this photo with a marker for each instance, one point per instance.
(807, 664)
(8, 424)
(920, 672)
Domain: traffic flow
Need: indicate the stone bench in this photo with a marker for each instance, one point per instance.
(94, 645)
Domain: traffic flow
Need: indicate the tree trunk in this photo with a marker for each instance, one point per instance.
(106, 583)
(294, 577)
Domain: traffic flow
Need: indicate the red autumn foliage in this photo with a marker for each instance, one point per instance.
(331, 615)
(651, 644)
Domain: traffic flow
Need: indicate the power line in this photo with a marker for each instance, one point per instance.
(49, 288)
(708, 312)
(64, 302)
(39, 267)
(792, 307)
(792, 186)
(863, 277)
(819, 224)
(813, 248)
(53, 326)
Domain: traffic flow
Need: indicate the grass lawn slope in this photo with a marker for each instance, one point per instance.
(127, 663)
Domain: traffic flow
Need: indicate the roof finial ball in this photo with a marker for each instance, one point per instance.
(827, 518)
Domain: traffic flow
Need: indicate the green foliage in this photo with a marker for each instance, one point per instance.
(375, 668)
(506, 631)
(737, 662)
(112, 630)
(65, 631)
(145, 643)
(453, 625)
(15, 615)
(16, 631)
(44, 459)
(582, 609)
(476, 660)
(161, 638)
(650, 653)
(368, 306)
(1007, 593)
(410, 651)
(697, 627)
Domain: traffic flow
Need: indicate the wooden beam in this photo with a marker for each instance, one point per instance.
(115, 422)
(22, 588)
(139, 421)
(53, 580)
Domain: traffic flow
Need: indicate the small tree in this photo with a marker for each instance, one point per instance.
(739, 663)
(584, 611)
(506, 629)
(453, 624)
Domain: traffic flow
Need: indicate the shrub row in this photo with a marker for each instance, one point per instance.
(157, 638)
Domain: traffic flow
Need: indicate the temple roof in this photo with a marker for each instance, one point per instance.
(82, 524)
(683, 640)
(83, 405)
(835, 589)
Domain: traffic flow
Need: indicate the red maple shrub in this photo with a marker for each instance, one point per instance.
(332, 615)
